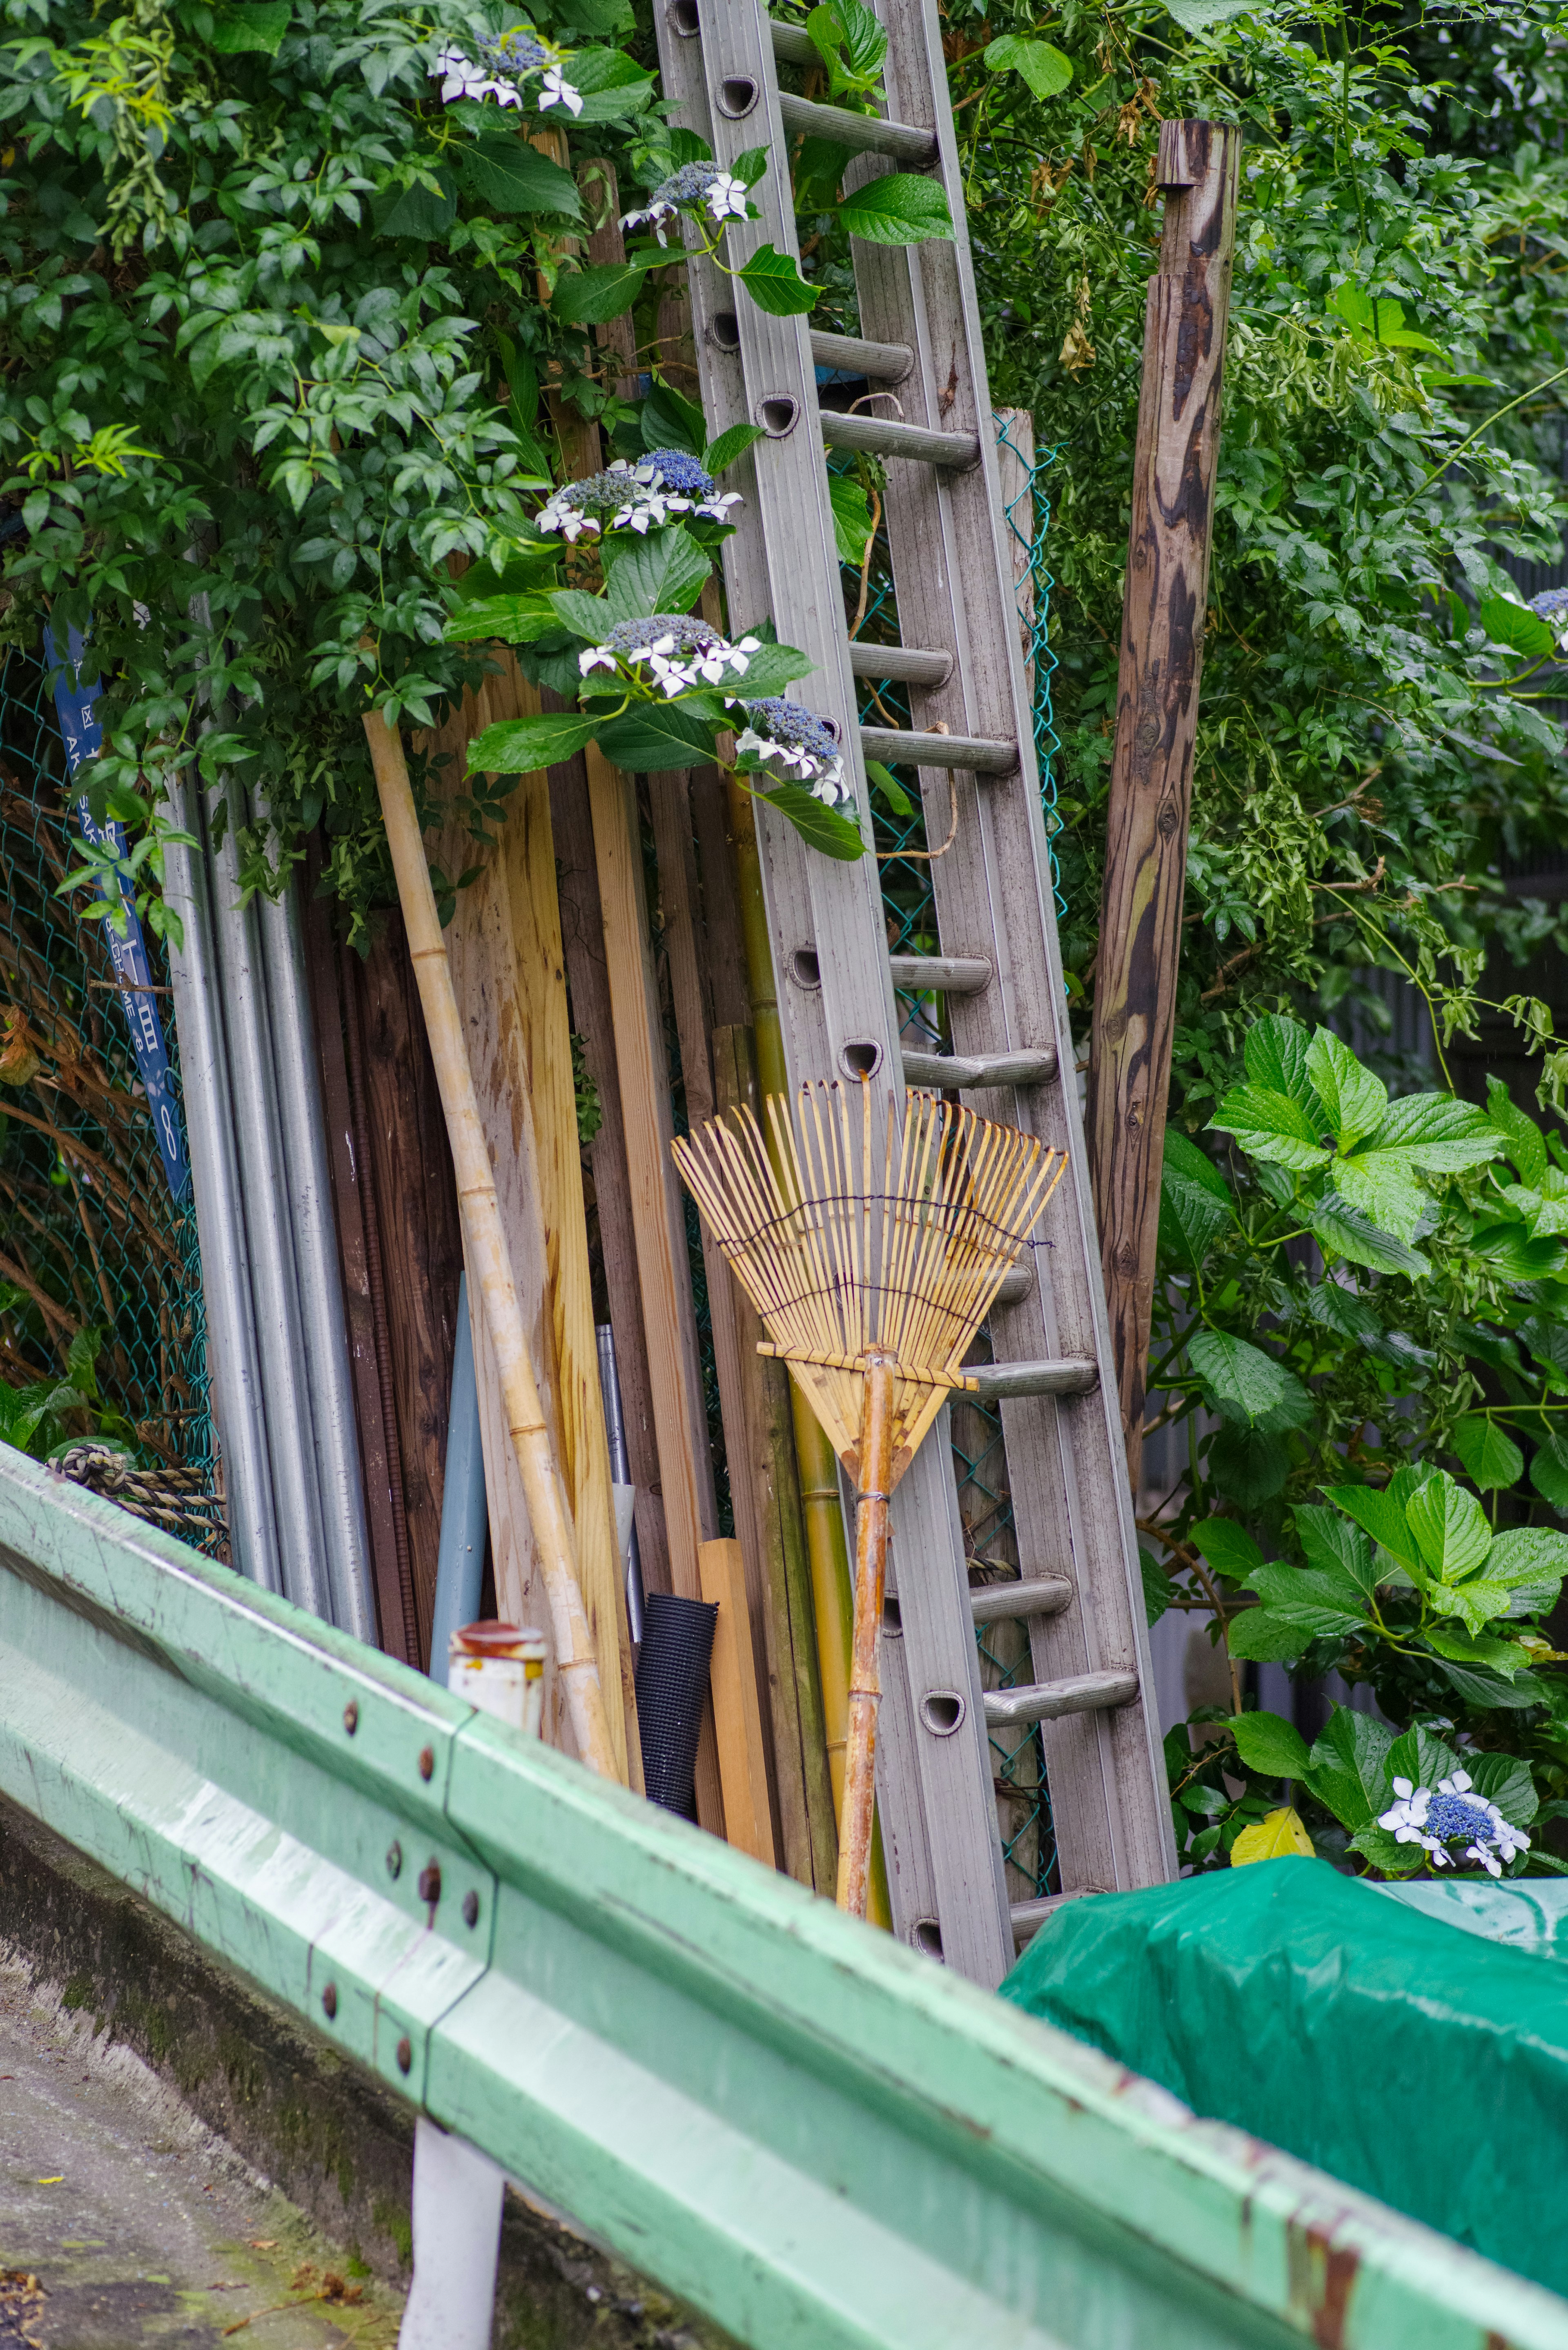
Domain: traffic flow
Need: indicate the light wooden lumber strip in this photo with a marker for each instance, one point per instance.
(489, 1257)
(737, 1707)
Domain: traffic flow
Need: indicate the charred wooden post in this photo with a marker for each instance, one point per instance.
(1157, 723)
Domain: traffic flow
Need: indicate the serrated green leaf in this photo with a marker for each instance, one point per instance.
(1382, 1184)
(670, 420)
(1248, 1386)
(1528, 1555)
(1520, 1137)
(1383, 1518)
(653, 737)
(1157, 1586)
(1247, 1466)
(729, 445)
(590, 296)
(1438, 1134)
(661, 573)
(1337, 1550)
(776, 284)
(899, 208)
(1511, 624)
(1271, 1126)
(1492, 1459)
(770, 670)
(1354, 1099)
(1341, 1230)
(1266, 1636)
(1276, 1053)
(415, 212)
(1388, 1858)
(508, 176)
(1348, 1769)
(1503, 1780)
(1045, 71)
(1548, 1470)
(246, 27)
(515, 619)
(522, 746)
(1422, 1757)
(821, 827)
(851, 517)
(1449, 1528)
(1268, 1743)
(1194, 1201)
(1227, 1546)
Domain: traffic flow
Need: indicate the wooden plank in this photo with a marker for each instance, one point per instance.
(508, 971)
(1175, 460)
(737, 1709)
(422, 1241)
(679, 1421)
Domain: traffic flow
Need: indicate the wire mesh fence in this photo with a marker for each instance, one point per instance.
(100, 1267)
(980, 1453)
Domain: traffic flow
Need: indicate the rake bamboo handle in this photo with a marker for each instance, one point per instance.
(489, 1258)
(881, 1394)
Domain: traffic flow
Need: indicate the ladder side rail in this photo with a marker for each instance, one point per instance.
(786, 549)
(1066, 1457)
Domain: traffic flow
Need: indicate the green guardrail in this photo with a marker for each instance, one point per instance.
(817, 2137)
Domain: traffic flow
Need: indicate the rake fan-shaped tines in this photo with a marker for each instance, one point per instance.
(848, 1239)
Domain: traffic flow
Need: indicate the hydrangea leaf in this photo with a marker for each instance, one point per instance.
(1045, 68)
(521, 746)
(1515, 626)
(588, 617)
(1528, 1554)
(1451, 1528)
(1354, 1100)
(1492, 1459)
(899, 208)
(1420, 1756)
(1388, 1858)
(1267, 1743)
(653, 737)
(1247, 1386)
(661, 573)
(1247, 1466)
(591, 296)
(821, 827)
(1279, 1837)
(1194, 1201)
(1228, 1547)
(1275, 1635)
(515, 619)
(729, 445)
(1271, 1126)
(1285, 1589)
(1488, 1690)
(774, 283)
(1503, 1780)
(851, 517)
(508, 176)
(770, 670)
(1348, 1769)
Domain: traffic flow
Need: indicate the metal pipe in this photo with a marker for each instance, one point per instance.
(863, 134)
(620, 1470)
(464, 1523)
(234, 1359)
(884, 436)
(323, 1318)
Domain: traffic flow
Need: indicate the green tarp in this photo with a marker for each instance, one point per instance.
(1363, 2033)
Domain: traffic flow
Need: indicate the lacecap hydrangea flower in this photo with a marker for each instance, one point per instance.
(678, 652)
(1448, 1813)
(1552, 604)
(785, 734)
(505, 62)
(640, 497)
(695, 188)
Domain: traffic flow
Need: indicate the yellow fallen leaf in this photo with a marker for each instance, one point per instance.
(1280, 1836)
(55, 2181)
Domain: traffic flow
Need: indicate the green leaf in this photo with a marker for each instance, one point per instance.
(821, 827)
(1503, 1249)
(1503, 1780)
(1492, 1459)
(775, 284)
(1045, 69)
(1383, 1519)
(1247, 1386)
(1341, 1553)
(1521, 1138)
(751, 166)
(417, 212)
(1388, 1858)
(851, 517)
(1526, 1556)
(1354, 304)
(242, 27)
(1196, 1204)
(1382, 1184)
(1268, 1743)
(522, 746)
(1488, 1690)
(1227, 1546)
(901, 208)
(506, 175)
(1271, 1126)
(1249, 1467)
(1276, 1053)
(670, 420)
(612, 86)
(1438, 1134)
(1420, 1756)
(883, 781)
(1277, 1635)
(1341, 1230)
(589, 297)
(770, 670)
(1285, 1589)
(1348, 1768)
(1548, 1470)
(588, 617)
(1508, 623)
(1450, 1526)
(661, 573)
(1393, 331)
(1157, 1587)
(655, 736)
(1354, 1100)
(515, 619)
(729, 445)
(1476, 1603)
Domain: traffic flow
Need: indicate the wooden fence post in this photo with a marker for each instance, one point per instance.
(1157, 722)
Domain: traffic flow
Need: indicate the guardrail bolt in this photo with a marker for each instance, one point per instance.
(350, 1717)
(429, 1884)
(329, 2000)
(405, 2055)
(471, 1908)
(427, 1763)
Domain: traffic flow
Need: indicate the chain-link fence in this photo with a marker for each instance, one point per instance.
(99, 1269)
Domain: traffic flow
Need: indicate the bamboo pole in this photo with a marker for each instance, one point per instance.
(860, 1807)
(489, 1258)
(1163, 621)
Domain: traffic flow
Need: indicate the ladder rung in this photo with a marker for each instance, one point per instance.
(942, 974)
(884, 436)
(952, 1073)
(863, 134)
(888, 362)
(1015, 1285)
(1005, 1603)
(793, 46)
(902, 662)
(1058, 1376)
(1015, 1708)
(1028, 1916)
(977, 754)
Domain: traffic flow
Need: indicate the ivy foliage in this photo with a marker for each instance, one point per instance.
(1372, 739)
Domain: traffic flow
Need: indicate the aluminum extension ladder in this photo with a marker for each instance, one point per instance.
(1080, 1589)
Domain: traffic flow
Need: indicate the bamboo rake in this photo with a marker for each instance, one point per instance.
(489, 1258)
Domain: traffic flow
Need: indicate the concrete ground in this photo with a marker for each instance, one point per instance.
(124, 2221)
